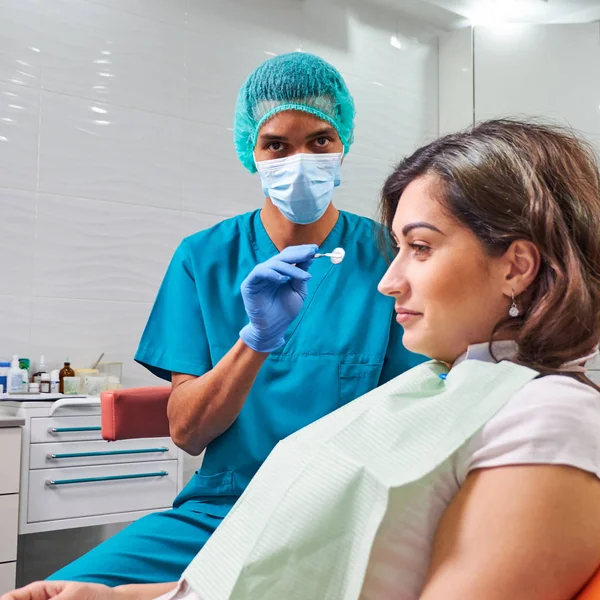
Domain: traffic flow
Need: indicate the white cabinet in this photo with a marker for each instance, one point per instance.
(56, 494)
(57, 473)
(71, 477)
(98, 452)
(8, 573)
(55, 429)
(10, 450)
(9, 525)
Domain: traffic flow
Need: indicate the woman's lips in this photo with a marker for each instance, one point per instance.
(403, 315)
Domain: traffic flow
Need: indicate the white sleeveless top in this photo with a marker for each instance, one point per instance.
(551, 420)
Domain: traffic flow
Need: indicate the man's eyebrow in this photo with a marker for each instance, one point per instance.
(320, 132)
(271, 137)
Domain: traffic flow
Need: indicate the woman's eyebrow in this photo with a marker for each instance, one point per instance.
(408, 228)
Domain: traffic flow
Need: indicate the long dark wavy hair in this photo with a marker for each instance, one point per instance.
(509, 180)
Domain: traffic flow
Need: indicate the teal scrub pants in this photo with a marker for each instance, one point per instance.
(154, 549)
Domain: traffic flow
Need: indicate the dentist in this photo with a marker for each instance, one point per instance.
(257, 340)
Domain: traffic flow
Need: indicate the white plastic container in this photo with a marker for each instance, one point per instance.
(72, 386)
(54, 381)
(14, 380)
(113, 371)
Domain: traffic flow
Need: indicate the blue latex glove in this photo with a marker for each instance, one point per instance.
(273, 295)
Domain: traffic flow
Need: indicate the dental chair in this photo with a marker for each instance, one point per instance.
(135, 413)
(592, 590)
(142, 413)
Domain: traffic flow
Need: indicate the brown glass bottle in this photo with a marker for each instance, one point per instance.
(66, 371)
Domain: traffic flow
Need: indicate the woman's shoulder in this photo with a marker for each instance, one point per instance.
(560, 385)
(551, 420)
(546, 394)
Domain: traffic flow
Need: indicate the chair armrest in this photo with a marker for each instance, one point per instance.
(135, 413)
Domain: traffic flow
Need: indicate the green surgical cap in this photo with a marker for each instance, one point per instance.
(295, 81)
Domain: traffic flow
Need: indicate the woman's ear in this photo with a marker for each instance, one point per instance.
(521, 265)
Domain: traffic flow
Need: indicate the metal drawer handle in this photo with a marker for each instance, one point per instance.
(55, 430)
(56, 482)
(107, 453)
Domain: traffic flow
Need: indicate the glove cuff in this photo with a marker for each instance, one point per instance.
(252, 339)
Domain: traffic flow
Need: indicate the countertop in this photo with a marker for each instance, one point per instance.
(7, 420)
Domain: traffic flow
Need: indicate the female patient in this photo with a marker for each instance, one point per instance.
(497, 241)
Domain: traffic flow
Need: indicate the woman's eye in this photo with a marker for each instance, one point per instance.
(420, 249)
(275, 146)
(322, 141)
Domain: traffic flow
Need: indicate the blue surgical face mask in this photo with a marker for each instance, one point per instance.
(301, 185)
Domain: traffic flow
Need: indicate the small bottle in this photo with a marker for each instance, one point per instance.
(54, 381)
(24, 381)
(37, 376)
(66, 371)
(44, 384)
(14, 380)
(34, 388)
(4, 369)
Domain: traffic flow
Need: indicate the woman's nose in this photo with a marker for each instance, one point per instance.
(393, 283)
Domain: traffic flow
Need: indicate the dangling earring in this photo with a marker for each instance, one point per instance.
(513, 311)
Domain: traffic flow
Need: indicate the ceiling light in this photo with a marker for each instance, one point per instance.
(496, 12)
(395, 42)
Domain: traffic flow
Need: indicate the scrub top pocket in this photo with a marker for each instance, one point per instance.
(356, 380)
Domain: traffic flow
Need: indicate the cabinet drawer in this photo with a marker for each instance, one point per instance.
(99, 490)
(75, 454)
(8, 575)
(60, 429)
(10, 459)
(9, 522)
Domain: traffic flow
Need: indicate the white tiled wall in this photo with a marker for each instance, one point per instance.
(456, 102)
(543, 71)
(116, 142)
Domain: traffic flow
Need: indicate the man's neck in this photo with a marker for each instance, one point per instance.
(284, 233)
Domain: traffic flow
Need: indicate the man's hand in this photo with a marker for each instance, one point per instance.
(62, 590)
(273, 296)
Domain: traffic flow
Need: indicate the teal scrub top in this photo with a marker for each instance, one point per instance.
(343, 343)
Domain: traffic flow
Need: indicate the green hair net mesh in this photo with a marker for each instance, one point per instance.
(294, 81)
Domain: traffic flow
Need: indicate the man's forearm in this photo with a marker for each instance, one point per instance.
(202, 408)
